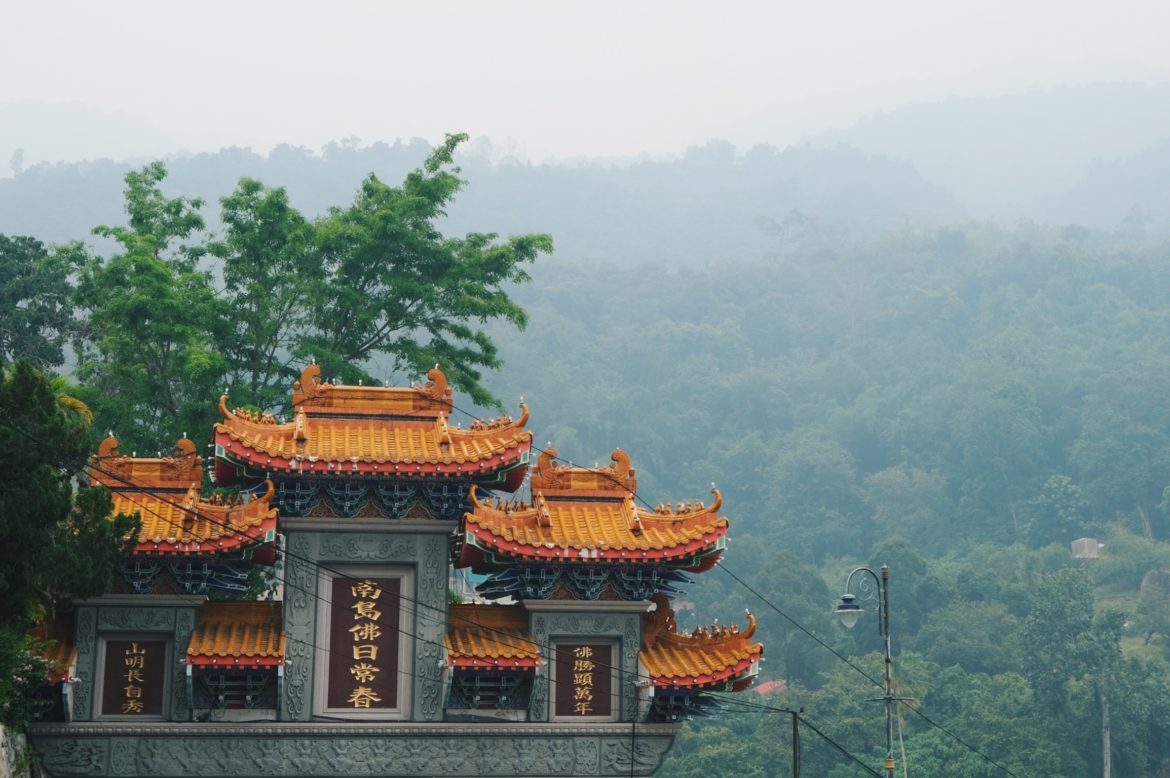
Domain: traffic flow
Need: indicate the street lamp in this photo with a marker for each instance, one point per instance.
(849, 611)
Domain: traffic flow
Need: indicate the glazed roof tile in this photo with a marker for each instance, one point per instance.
(485, 636)
(237, 633)
(706, 657)
(165, 493)
(583, 515)
(372, 431)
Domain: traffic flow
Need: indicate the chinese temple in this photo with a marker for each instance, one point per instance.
(567, 661)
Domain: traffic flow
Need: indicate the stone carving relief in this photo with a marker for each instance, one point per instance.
(430, 626)
(75, 757)
(519, 754)
(184, 624)
(627, 626)
(86, 659)
(136, 619)
(299, 625)
(367, 547)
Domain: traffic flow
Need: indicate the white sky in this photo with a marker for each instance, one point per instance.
(552, 78)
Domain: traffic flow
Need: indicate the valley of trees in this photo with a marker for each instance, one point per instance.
(958, 402)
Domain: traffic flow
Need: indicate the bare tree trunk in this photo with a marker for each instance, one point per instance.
(1106, 747)
(1146, 526)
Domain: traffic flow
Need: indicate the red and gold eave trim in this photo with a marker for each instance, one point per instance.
(493, 663)
(232, 456)
(259, 540)
(741, 675)
(205, 661)
(702, 553)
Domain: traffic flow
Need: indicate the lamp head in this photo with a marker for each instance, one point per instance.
(848, 610)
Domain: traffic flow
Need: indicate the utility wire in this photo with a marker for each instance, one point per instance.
(551, 649)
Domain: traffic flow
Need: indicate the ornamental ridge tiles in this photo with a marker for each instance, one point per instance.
(707, 657)
(237, 634)
(371, 431)
(585, 515)
(490, 636)
(166, 494)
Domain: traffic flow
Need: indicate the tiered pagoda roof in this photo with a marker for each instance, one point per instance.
(490, 636)
(371, 432)
(166, 493)
(588, 515)
(237, 634)
(486, 637)
(708, 657)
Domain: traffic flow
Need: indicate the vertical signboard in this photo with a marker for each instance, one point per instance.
(134, 678)
(584, 680)
(364, 628)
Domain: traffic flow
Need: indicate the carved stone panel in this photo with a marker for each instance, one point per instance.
(549, 626)
(83, 691)
(300, 625)
(430, 627)
(334, 750)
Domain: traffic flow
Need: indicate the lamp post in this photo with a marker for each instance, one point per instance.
(849, 611)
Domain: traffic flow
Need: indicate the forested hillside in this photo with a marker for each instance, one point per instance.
(706, 205)
(958, 402)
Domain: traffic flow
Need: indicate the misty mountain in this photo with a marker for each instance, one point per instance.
(707, 205)
(1131, 194)
(36, 132)
(1000, 155)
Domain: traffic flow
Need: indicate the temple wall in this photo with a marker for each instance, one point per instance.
(334, 750)
(553, 620)
(165, 618)
(317, 549)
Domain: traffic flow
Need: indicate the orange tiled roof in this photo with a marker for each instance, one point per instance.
(57, 646)
(485, 636)
(371, 431)
(707, 657)
(237, 634)
(580, 514)
(165, 493)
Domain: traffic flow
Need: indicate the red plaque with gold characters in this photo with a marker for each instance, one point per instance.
(363, 643)
(584, 679)
(135, 673)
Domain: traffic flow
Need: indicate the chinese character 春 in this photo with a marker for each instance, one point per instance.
(367, 630)
(583, 652)
(362, 697)
(364, 672)
(365, 652)
(365, 609)
(366, 590)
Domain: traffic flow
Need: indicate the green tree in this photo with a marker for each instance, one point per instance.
(35, 307)
(271, 270)
(56, 548)
(148, 353)
(396, 289)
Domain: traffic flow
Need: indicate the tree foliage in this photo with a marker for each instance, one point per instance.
(35, 310)
(57, 546)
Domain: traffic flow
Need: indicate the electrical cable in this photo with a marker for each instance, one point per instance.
(551, 649)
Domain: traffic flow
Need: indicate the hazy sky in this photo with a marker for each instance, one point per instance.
(553, 78)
